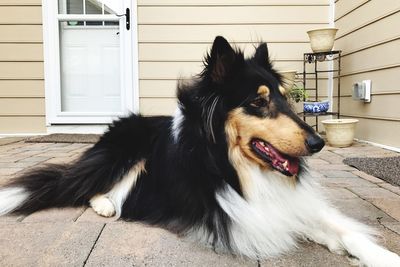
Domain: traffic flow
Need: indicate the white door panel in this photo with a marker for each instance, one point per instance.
(90, 70)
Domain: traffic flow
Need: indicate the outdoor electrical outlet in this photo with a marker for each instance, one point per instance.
(362, 91)
(367, 86)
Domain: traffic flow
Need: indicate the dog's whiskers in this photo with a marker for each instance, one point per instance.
(210, 115)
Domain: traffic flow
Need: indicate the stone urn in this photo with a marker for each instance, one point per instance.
(322, 40)
(340, 132)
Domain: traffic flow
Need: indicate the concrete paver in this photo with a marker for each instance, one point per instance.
(140, 245)
(78, 237)
(373, 192)
(391, 188)
(395, 227)
(47, 244)
(339, 193)
(367, 177)
(308, 254)
(389, 206)
(338, 174)
(346, 182)
(362, 211)
(55, 215)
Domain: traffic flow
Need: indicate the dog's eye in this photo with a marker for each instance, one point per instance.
(259, 102)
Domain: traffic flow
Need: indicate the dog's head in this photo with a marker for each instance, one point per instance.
(241, 102)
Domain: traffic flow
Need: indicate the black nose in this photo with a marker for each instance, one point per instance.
(314, 143)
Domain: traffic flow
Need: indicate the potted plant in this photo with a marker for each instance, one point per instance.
(340, 132)
(297, 93)
(322, 40)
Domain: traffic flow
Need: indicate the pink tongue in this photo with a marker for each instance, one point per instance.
(293, 166)
(293, 163)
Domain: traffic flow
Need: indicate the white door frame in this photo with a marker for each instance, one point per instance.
(51, 46)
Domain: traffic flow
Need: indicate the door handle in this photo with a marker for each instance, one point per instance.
(127, 18)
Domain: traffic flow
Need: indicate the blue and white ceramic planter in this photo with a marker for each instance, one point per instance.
(316, 107)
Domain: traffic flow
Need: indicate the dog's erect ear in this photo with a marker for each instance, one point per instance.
(222, 60)
(262, 59)
(261, 56)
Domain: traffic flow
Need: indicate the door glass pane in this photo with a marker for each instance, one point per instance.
(90, 69)
(90, 7)
(93, 7)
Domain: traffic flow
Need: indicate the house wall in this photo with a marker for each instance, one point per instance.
(369, 35)
(174, 36)
(22, 107)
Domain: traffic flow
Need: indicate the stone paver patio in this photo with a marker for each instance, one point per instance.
(78, 237)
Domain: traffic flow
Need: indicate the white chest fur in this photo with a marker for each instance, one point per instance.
(274, 214)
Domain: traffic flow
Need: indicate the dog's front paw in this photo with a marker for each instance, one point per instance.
(384, 259)
(390, 260)
(102, 206)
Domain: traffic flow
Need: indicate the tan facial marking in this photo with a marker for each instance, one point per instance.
(281, 132)
(263, 90)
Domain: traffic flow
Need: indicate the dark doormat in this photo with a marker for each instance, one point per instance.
(387, 169)
(66, 138)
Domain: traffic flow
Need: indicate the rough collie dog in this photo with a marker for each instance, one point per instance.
(226, 169)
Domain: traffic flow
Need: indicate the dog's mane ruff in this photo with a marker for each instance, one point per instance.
(272, 219)
(201, 131)
(199, 105)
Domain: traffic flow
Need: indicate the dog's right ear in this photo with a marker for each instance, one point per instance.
(222, 61)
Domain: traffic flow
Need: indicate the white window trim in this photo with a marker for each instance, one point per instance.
(52, 67)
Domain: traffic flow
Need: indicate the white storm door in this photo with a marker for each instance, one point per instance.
(94, 60)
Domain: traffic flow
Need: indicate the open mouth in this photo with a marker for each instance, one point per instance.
(285, 164)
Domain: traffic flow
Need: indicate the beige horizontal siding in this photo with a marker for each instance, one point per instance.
(377, 57)
(20, 2)
(384, 106)
(365, 15)
(378, 131)
(232, 15)
(157, 106)
(157, 88)
(22, 107)
(21, 52)
(21, 88)
(21, 33)
(230, 2)
(383, 81)
(20, 15)
(342, 8)
(21, 70)
(22, 124)
(369, 36)
(366, 37)
(291, 33)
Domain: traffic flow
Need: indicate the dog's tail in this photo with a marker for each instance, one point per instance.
(57, 185)
(95, 172)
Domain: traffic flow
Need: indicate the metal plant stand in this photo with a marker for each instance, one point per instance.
(314, 58)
